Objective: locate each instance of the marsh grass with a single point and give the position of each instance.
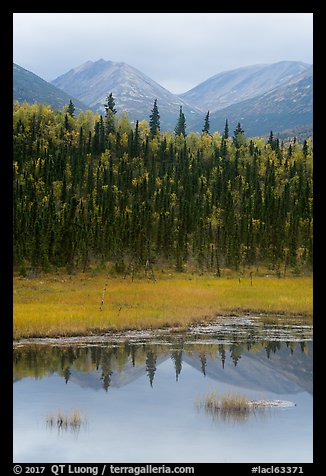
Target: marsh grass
(229, 407)
(64, 305)
(63, 421)
(234, 406)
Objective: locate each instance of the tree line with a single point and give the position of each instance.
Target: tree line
(95, 189)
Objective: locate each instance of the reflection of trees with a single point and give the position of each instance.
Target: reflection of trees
(203, 362)
(272, 347)
(236, 351)
(151, 366)
(133, 355)
(221, 351)
(96, 356)
(40, 360)
(67, 374)
(176, 356)
(105, 364)
(303, 346)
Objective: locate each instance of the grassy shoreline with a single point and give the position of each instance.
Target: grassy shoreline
(64, 305)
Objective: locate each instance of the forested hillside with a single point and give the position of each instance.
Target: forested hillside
(91, 189)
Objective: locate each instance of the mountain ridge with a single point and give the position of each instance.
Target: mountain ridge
(282, 108)
(264, 97)
(134, 92)
(29, 87)
(230, 87)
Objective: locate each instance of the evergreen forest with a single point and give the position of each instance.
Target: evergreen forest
(98, 189)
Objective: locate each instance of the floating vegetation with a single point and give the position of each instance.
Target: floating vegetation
(228, 407)
(63, 421)
(237, 407)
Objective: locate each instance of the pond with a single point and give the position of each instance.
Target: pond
(137, 395)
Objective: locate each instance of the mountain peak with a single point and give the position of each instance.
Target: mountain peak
(133, 91)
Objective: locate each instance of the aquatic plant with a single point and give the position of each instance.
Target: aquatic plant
(237, 407)
(64, 421)
(230, 406)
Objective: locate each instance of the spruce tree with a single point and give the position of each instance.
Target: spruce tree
(67, 126)
(180, 128)
(205, 129)
(226, 129)
(110, 104)
(154, 120)
(71, 109)
(239, 137)
(271, 140)
(110, 112)
(135, 150)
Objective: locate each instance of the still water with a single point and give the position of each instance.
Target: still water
(137, 395)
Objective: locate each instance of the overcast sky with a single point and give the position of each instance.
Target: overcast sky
(178, 50)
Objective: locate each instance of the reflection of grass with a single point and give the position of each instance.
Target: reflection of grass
(64, 422)
(70, 305)
(229, 407)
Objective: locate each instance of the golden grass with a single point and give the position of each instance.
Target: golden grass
(230, 406)
(70, 305)
(234, 403)
(63, 421)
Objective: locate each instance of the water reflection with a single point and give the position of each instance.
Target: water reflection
(272, 365)
(138, 392)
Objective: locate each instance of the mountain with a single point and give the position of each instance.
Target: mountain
(285, 107)
(262, 98)
(134, 92)
(29, 87)
(230, 87)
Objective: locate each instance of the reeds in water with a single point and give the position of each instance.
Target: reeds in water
(229, 406)
(64, 421)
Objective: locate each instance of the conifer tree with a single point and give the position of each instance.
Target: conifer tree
(180, 128)
(226, 129)
(67, 126)
(271, 140)
(239, 137)
(136, 141)
(71, 109)
(110, 113)
(205, 129)
(154, 120)
(110, 104)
